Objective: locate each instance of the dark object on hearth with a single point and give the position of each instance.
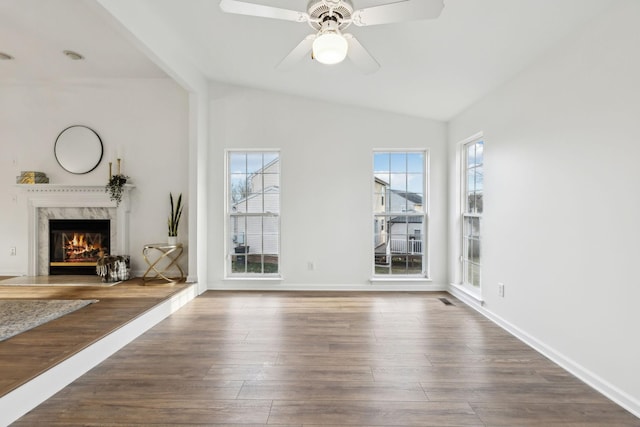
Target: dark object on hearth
(113, 268)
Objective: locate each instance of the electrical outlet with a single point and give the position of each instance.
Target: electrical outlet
(310, 266)
(501, 289)
(12, 251)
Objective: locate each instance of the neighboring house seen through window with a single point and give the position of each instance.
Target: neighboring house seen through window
(253, 213)
(472, 206)
(400, 213)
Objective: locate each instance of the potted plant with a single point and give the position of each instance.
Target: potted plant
(174, 219)
(114, 187)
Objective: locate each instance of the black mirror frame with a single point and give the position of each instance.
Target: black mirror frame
(55, 149)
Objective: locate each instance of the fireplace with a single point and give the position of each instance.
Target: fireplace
(75, 245)
(46, 202)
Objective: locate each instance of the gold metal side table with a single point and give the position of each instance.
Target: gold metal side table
(161, 257)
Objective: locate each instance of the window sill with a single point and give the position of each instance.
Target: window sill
(256, 278)
(400, 279)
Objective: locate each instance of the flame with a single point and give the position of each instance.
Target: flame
(79, 248)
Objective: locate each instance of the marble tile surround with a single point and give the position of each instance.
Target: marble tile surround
(47, 213)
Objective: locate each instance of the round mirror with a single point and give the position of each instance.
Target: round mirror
(78, 149)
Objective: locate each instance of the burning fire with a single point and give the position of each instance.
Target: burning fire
(79, 248)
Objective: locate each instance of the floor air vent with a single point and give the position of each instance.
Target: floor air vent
(445, 301)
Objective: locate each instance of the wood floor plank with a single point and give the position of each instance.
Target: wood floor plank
(554, 414)
(436, 375)
(536, 361)
(475, 392)
(374, 360)
(326, 358)
(290, 373)
(30, 353)
(154, 388)
(170, 411)
(374, 413)
(333, 390)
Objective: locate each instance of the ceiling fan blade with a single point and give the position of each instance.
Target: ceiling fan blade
(298, 52)
(360, 56)
(407, 10)
(252, 9)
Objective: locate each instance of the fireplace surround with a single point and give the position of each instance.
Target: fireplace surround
(58, 201)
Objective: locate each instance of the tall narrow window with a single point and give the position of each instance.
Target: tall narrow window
(253, 213)
(399, 213)
(473, 183)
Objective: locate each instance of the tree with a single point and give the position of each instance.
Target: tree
(240, 190)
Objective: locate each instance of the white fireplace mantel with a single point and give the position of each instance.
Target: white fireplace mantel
(45, 196)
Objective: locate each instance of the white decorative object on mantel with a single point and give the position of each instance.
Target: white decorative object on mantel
(62, 200)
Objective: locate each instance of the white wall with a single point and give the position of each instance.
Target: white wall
(135, 20)
(143, 121)
(561, 205)
(326, 182)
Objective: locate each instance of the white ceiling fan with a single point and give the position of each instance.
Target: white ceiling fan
(329, 18)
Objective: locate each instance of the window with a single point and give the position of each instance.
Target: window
(472, 206)
(253, 213)
(399, 213)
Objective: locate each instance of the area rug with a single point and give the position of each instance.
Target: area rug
(17, 316)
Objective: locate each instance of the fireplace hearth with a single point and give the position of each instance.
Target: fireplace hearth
(75, 245)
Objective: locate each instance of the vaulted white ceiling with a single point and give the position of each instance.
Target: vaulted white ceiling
(434, 68)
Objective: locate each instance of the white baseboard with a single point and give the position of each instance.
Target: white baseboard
(465, 295)
(18, 402)
(620, 397)
(256, 285)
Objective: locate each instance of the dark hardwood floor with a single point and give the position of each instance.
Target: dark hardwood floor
(294, 359)
(30, 353)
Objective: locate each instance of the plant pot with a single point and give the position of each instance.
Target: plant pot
(172, 240)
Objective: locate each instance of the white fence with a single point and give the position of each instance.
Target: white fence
(402, 246)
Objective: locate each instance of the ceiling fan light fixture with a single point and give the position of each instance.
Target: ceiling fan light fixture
(330, 48)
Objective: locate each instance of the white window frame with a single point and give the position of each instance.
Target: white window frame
(425, 273)
(466, 216)
(229, 244)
